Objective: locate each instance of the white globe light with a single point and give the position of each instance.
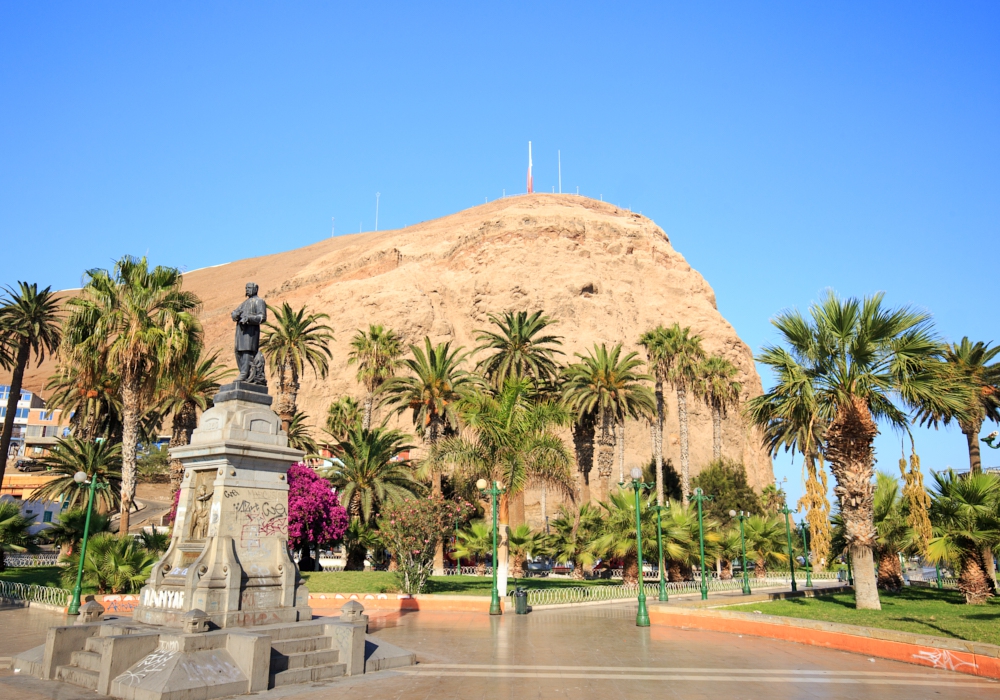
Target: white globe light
(482, 484)
(636, 473)
(732, 514)
(80, 477)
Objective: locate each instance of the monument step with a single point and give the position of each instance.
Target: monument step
(88, 660)
(85, 678)
(306, 659)
(297, 646)
(297, 631)
(307, 675)
(95, 645)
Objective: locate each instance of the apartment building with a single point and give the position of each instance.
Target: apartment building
(27, 401)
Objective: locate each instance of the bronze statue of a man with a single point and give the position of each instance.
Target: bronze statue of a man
(248, 316)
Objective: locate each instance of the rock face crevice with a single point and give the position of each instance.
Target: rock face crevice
(605, 273)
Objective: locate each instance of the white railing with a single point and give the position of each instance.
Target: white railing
(466, 571)
(21, 560)
(31, 592)
(331, 567)
(582, 594)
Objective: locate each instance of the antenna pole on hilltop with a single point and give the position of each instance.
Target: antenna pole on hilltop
(377, 194)
(559, 158)
(531, 187)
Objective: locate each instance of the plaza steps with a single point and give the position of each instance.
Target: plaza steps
(84, 668)
(300, 655)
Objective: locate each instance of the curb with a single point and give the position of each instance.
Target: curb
(973, 658)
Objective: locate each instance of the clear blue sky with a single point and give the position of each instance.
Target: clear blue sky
(785, 147)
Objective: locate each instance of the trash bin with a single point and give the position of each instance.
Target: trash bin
(520, 601)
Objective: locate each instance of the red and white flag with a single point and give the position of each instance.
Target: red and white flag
(531, 184)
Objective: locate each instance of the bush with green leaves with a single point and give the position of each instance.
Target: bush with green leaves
(114, 564)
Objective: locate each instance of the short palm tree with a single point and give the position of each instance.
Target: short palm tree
(293, 340)
(476, 543)
(187, 389)
(610, 386)
(370, 471)
(14, 535)
(341, 417)
(520, 348)
(67, 531)
(680, 539)
(766, 542)
(299, 434)
(895, 536)
(865, 363)
(730, 549)
(102, 459)
(521, 541)
(376, 352)
(114, 564)
(618, 534)
(573, 535)
(720, 391)
(29, 325)
(154, 542)
(964, 515)
(140, 324)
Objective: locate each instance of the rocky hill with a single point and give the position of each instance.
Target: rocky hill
(605, 273)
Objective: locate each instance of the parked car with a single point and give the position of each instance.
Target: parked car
(29, 465)
(539, 567)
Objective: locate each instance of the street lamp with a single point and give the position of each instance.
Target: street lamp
(805, 547)
(642, 617)
(81, 478)
(698, 496)
(743, 546)
(659, 545)
(788, 537)
(494, 491)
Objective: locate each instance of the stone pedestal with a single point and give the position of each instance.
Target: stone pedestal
(229, 552)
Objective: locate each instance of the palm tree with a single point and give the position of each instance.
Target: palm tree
(894, 534)
(67, 532)
(341, 417)
(583, 430)
(101, 459)
(721, 392)
(518, 349)
(654, 342)
(607, 385)
(186, 390)
(294, 340)
(966, 524)
(154, 542)
(573, 535)
(114, 564)
(522, 541)
(370, 471)
(865, 363)
(376, 352)
(431, 391)
(680, 539)
(730, 550)
(967, 365)
(618, 535)
(29, 324)
(684, 355)
(509, 438)
(14, 535)
(84, 390)
(475, 543)
(765, 541)
(298, 435)
(140, 323)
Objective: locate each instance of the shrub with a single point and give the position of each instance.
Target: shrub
(315, 516)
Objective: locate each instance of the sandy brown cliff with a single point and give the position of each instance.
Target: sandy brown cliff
(605, 273)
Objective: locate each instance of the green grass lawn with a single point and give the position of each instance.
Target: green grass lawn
(39, 575)
(385, 582)
(917, 610)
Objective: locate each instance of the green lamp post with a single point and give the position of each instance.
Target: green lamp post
(788, 537)
(850, 574)
(659, 546)
(494, 491)
(642, 617)
(81, 478)
(698, 496)
(805, 548)
(743, 546)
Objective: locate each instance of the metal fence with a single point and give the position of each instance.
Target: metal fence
(45, 559)
(37, 594)
(584, 594)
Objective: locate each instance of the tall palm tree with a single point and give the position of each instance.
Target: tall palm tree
(14, 535)
(967, 364)
(654, 342)
(341, 417)
(865, 363)
(518, 349)
(370, 471)
(509, 438)
(299, 437)
(186, 390)
(96, 458)
(894, 534)
(721, 392)
(376, 353)
(141, 323)
(84, 390)
(964, 511)
(431, 392)
(609, 386)
(295, 339)
(684, 355)
(29, 325)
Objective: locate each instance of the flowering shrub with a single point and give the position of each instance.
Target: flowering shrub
(411, 530)
(315, 516)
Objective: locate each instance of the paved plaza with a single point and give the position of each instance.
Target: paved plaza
(579, 653)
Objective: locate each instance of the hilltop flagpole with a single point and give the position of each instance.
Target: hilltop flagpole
(531, 187)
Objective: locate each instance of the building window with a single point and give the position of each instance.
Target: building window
(35, 431)
(47, 518)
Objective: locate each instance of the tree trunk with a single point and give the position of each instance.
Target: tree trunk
(975, 459)
(366, 419)
(727, 570)
(973, 581)
(674, 572)
(578, 573)
(481, 567)
(130, 438)
(583, 447)
(890, 574)
(605, 456)
(656, 432)
(517, 509)
(630, 570)
(355, 558)
(433, 432)
(517, 566)
(682, 417)
(20, 362)
(503, 550)
(184, 422)
(716, 434)
(620, 440)
(760, 569)
(849, 449)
